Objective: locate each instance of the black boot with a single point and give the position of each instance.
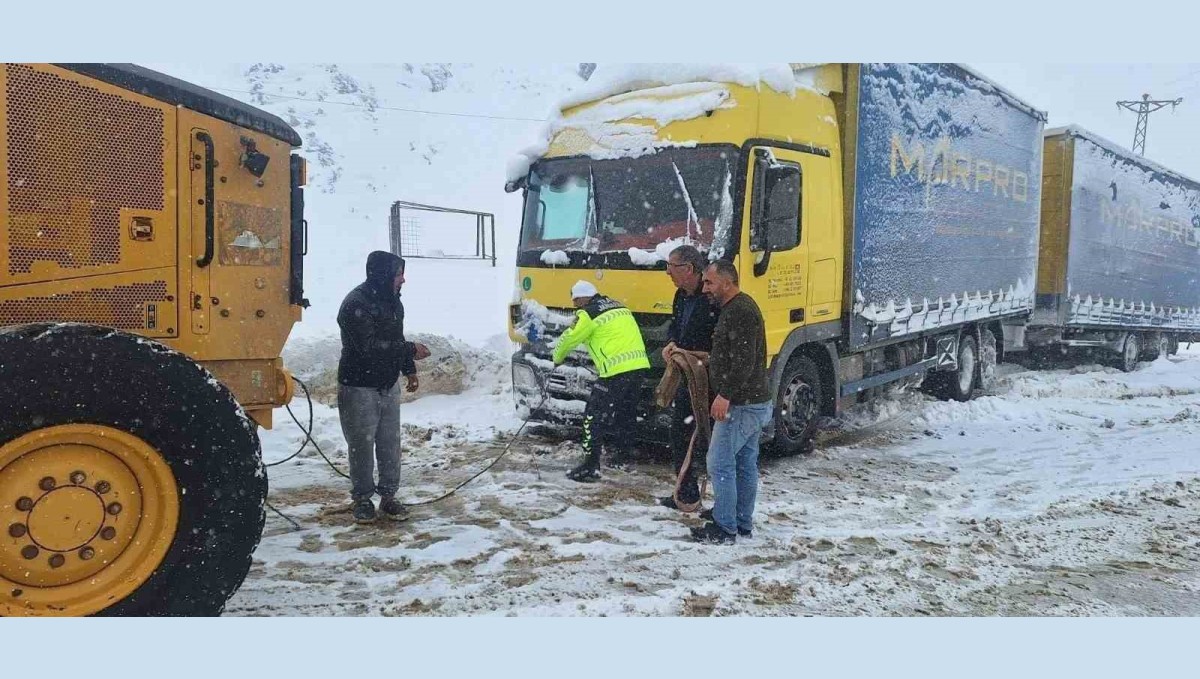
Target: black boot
(713, 534)
(621, 461)
(742, 532)
(587, 472)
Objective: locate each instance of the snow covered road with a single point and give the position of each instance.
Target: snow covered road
(1066, 492)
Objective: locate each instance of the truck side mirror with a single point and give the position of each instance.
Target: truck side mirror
(775, 214)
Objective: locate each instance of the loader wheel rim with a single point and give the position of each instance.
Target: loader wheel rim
(87, 513)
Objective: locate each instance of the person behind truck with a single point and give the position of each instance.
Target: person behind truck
(615, 344)
(693, 318)
(374, 354)
(741, 406)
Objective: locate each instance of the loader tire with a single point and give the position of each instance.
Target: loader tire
(131, 481)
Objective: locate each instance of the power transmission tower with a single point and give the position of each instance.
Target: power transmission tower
(1144, 108)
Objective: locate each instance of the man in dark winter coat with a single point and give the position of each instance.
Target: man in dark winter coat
(374, 355)
(693, 317)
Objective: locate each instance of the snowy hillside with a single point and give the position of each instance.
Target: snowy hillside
(364, 154)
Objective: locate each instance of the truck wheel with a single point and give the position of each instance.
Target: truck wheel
(958, 385)
(988, 355)
(797, 407)
(1130, 352)
(131, 481)
(1162, 347)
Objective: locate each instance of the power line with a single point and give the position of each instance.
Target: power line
(1183, 77)
(383, 108)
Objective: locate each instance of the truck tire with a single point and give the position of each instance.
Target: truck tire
(1131, 351)
(797, 407)
(988, 359)
(1162, 346)
(131, 481)
(957, 385)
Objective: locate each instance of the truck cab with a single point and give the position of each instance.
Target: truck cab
(739, 170)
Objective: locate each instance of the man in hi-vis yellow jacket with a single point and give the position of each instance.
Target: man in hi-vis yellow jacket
(615, 344)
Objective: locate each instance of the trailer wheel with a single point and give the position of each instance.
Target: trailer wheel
(988, 355)
(957, 385)
(131, 482)
(1130, 352)
(797, 407)
(1162, 347)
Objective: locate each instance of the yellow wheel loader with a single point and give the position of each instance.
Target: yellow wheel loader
(151, 267)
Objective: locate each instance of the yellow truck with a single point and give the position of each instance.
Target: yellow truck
(909, 256)
(151, 269)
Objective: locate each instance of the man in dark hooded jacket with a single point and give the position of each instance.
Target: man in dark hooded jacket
(374, 355)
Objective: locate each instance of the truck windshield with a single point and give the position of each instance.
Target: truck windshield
(614, 206)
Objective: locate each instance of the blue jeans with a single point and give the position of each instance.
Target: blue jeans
(733, 465)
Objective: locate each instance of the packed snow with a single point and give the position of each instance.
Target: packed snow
(1065, 491)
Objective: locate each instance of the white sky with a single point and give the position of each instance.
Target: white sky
(1086, 95)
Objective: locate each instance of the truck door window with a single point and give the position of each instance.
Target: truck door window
(776, 224)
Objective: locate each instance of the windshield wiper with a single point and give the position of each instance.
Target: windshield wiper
(691, 216)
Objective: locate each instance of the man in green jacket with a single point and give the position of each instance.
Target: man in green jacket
(615, 344)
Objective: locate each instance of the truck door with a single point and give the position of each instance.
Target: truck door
(788, 194)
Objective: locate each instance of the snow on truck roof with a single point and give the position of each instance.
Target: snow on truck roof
(608, 81)
(1121, 151)
(680, 91)
(1005, 93)
(676, 80)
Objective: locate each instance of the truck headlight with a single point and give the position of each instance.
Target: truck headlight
(524, 379)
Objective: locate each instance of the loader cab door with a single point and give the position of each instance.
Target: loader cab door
(784, 241)
(236, 239)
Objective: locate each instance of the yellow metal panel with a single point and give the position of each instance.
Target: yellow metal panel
(785, 287)
(4, 175)
(139, 301)
(641, 291)
(88, 172)
(1056, 214)
(238, 305)
(257, 382)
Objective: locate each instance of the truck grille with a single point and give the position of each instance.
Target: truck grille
(557, 382)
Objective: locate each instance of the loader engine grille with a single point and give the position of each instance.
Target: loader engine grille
(124, 307)
(76, 157)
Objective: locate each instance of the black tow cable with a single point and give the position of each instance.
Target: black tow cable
(308, 438)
